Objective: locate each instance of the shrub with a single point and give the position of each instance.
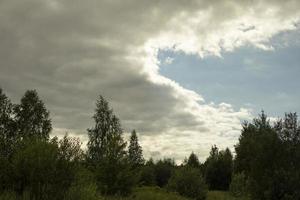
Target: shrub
(218, 169)
(163, 171)
(84, 186)
(239, 185)
(45, 170)
(115, 178)
(147, 176)
(6, 195)
(188, 182)
(10, 195)
(34, 167)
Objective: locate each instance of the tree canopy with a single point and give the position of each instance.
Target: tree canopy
(135, 152)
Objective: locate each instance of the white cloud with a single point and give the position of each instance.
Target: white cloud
(71, 51)
(169, 60)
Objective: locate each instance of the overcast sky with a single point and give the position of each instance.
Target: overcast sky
(184, 74)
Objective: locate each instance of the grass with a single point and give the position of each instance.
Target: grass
(156, 193)
(221, 195)
(149, 193)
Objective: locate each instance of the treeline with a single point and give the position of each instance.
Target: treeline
(267, 162)
(36, 167)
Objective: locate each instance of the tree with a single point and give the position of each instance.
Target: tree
(188, 182)
(239, 185)
(269, 156)
(218, 169)
(287, 129)
(106, 152)
(135, 152)
(7, 127)
(83, 187)
(46, 169)
(226, 168)
(163, 171)
(32, 117)
(8, 141)
(105, 138)
(193, 161)
(147, 174)
(287, 174)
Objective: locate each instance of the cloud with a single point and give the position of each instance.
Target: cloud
(71, 51)
(169, 60)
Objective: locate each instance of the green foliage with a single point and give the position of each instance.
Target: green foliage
(7, 127)
(10, 195)
(221, 195)
(106, 152)
(147, 175)
(163, 171)
(115, 178)
(6, 172)
(148, 193)
(155, 193)
(192, 161)
(239, 185)
(32, 117)
(269, 156)
(135, 153)
(33, 167)
(188, 182)
(83, 187)
(218, 169)
(45, 169)
(105, 138)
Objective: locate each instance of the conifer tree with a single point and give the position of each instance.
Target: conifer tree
(135, 151)
(193, 161)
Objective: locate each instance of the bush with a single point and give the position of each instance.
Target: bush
(45, 170)
(6, 195)
(239, 185)
(34, 167)
(155, 193)
(163, 171)
(115, 178)
(218, 169)
(84, 186)
(188, 182)
(10, 195)
(5, 174)
(147, 176)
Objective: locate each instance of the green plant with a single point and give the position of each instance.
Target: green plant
(239, 185)
(188, 182)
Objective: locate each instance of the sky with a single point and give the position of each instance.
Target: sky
(184, 74)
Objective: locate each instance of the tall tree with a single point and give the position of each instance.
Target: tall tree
(269, 156)
(135, 152)
(7, 126)
(7, 141)
(105, 138)
(218, 169)
(288, 129)
(106, 152)
(32, 117)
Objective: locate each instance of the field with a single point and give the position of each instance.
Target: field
(155, 193)
(219, 195)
